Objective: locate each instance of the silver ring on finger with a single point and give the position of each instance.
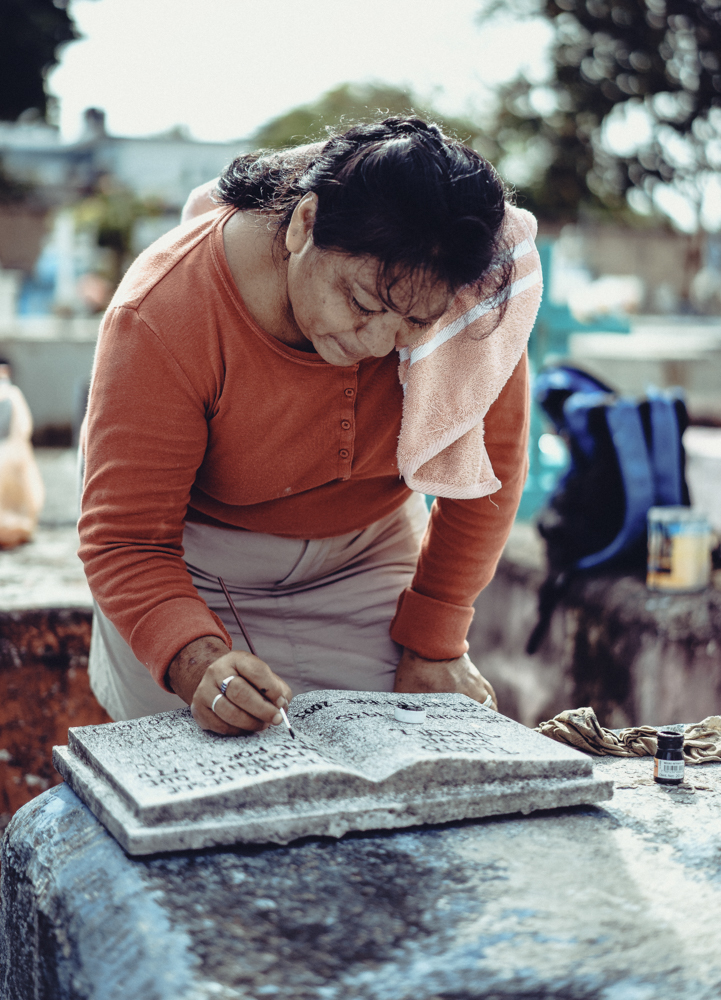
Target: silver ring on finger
(488, 702)
(215, 702)
(226, 682)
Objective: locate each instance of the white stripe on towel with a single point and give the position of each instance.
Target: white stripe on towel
(520, 250)
(481, 309)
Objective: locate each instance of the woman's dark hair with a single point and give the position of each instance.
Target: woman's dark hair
(399, 190)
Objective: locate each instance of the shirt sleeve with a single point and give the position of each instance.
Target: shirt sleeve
(146, 437)
(465, 538)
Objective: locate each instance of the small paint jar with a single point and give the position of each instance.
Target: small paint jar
(668, 765)
(679, 550)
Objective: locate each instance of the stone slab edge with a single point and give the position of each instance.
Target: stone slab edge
(330, 820)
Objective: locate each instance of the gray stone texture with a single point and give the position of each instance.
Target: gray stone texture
(620, 902)
(160, 783)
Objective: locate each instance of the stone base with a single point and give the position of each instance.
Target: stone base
(585, 903)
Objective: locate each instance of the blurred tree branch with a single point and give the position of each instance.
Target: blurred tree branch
(653, 66)
(110, 213)
(31, 32)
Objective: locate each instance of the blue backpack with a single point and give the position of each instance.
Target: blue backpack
(626, 456)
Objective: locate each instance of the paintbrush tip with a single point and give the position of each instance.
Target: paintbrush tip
(287, 723)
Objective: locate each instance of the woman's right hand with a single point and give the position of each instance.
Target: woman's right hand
(252, 698)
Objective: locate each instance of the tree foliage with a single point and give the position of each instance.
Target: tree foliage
(110, 214)
(350, 103)
(654, 63)
(31, 31)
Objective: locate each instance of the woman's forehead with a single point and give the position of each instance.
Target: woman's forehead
(420, 294)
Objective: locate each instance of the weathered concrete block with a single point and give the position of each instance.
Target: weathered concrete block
(635, 656)
(53, 636)
(44, 689)
(615, 903)
(161, 784)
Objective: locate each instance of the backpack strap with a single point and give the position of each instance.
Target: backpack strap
(665, 449)
(552, 590)
(553, 386)
(576, 413)
(626, 429)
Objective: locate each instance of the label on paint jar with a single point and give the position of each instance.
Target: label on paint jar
(672, 769)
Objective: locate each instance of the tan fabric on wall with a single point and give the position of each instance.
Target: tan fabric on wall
(318, 611)
(579, 728)
(22, 492)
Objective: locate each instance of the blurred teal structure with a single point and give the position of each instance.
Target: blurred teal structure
(548, 344)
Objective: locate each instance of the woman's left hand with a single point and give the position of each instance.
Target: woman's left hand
(414, 675)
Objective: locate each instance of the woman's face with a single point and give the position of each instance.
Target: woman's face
(335, 304)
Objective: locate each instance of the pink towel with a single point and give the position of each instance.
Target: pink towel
(458, 370)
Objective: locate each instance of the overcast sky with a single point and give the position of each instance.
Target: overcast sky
(224, 67)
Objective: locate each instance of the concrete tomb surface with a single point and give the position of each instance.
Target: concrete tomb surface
(619, 902)
(161, 784)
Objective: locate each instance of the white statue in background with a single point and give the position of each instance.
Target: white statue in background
(22, 492)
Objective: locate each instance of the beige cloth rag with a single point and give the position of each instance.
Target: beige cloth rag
(451, 378)
(579, 728)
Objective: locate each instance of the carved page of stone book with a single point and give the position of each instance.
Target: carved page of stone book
(162, 784)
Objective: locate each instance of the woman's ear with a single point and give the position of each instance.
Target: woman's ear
(300, 227)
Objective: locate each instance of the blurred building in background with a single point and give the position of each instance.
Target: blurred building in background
(73, 217)
(627, 297)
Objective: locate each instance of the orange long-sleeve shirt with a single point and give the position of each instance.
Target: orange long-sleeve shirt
(197, 414)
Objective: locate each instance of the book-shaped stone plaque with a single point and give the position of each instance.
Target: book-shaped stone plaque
(162, 784)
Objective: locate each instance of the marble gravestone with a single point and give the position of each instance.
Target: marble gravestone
(161, 784)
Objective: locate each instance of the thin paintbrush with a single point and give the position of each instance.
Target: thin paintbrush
(250, 645)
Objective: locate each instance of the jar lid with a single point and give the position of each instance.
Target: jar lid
(404, 712)
(678, 515)
(667, 739)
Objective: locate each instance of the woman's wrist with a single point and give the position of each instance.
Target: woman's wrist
(188, 666)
